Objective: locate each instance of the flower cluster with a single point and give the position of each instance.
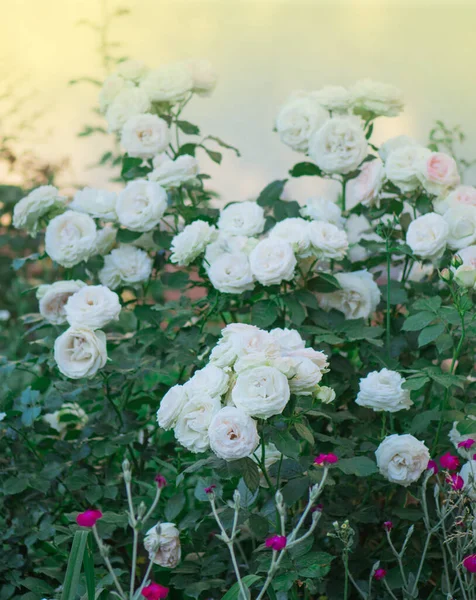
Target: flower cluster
(251, 375)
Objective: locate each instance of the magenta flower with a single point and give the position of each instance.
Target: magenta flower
(379, 574)
(318, 508)
(276, 542)
(432, 466)
(326, 459)
(469, 563)
(155, 591)
(160, 481)
(449, 461)
(388, 525)
(88, 518)
(456, 482)
(466, 444)
(209, 490)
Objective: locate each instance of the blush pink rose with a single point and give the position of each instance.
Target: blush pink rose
(438, 172)
(365, 188)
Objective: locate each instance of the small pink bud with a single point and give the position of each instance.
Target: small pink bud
(388, 525)
(318, 508)
(160, 481)
(209, 490)
(469, 563)
(466, 444)
(326, 459)
(449, 461)
(379, 574)
(456, 482)
(432, 466)
(276, 542)
(155, 591)
(88, 518)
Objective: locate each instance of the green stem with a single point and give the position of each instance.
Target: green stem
(344, 185)
(388, 333)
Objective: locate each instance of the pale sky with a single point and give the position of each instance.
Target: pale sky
(263, 50)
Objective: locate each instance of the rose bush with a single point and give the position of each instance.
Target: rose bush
(280, 387)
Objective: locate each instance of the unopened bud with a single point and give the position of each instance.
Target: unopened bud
(456, 261)
(446, 275)
(141, 510)
(237, 499)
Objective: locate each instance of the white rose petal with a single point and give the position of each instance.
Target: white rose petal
(99, 204)
(173, 173)
(323, 209)
(228, 244)
(113, 85)
(305, 376)
(463, 195)
(427, 236)
(141, 205)
(233, 434)
(399, 141)
(334, 98)
(191, 242)
(53, 298)
(231, 273)
(144, 136)
(42, 203)
(70, 238)
(203, 76)
(191, 428)
(105, 240)
(461, 222)
(80, 352)
(162, 542)
(170, 83)
(382, 391)
(380, 99)
(402, 166)
(468, 474)
(327, 240)
(402, 459)
(132, 69)
(365, 188)
(125, 265)
(209, 381)
(437, 172)
(295, 231)
(357, 299)
(288, 339)
(261, 392)
(171, 406)
(298, 119)
(92, 306)
(242, 218)
(61, 419)
(128, 103)
(273, 261)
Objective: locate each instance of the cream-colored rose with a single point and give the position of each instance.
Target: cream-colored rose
(162, 542)
(128, 103)
(427, 236)
(463, 195)
(233, 434)
(93, 306)
(70, 414)
(191, 428)
(261, 392)
(325, 394)
(376, 98)
(132, 69)
(437, 172)
(228, 244)
(334, 98)
(383, 391)
(358, 297)
(465, 275)
(141, 205)
(203, 76)
(242, 218)
(191, 242)
(298, 119)
(40, 204)
(253, 347)
(99, 204)
(327, 240)
(399, 141)
(365, 188)
(70, 238)
(305, 375)
(320, 208)
(461, 222)
(113, 85)
(173, 173)
(242, 339)
(288, 339)
(105, 240)
(53, 298)
(273, 261)
(209, 381)
(171, 406)
(295, 231)
(402, 459)
(231, 273)
(170, 83)
(126, 265)
(145, 136)
(80, 352)
(402, 166)
(339, 146)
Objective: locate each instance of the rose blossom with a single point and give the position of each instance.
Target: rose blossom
(145, 136)
(126, 265)
(111, 88)
(399, 141)
(437, 172)
(461, 222)
(170, 406)
(357, 299)
(105, 240)
(231, 273)
(99, 204)
(169, 83)
(463, 195)
(173, 173)
(132, 69)
(128, 103)
(334, 98)
(402, 458)
(298, 119)
(383, 391)
(233, 434)
(141, 205)
(210, 381)
(468, 475)
(261, 392)
(203, 76)
(273, 261)
(295, 231)
(365, 188)
(92, 306)
(380, 99)
(402, 164)
(80, 352)
(53, 298)
(327, 240)
(427, 236)
(162, 542)
(228, 244)
(70, 238)
(242, 218)
(43, 202)
(191, 242)
(191, 428)
(320, 208)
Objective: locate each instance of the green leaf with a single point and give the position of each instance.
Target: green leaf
(174, 506)
(415, 383)
(126, 236)
(215, 156)
(303, 431)
(73, 571)
(88, 562)
(264, 313)
(362, 466)
(296, 310)
(18, 263)
(295, 489)
(234, 592)
(271, 192)
(249, 471)
(418, 321)
(132, 168)
(305, 169)
(15, 485)
(422, 420)
(188, 128)
(223, 144)
(285, 443)
(189, 149)
(430, 333)
(314, 564)
(431, 304)
(324, 283)
(37, 585)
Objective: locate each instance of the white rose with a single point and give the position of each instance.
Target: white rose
(381, 99)
(427, 236)
(325, 394)
(402, 166)
(223, 354)
(402, 458)
(420, 272)
(437, 172)
(323, 209)
(365, 188)
(382, 390)
(233, 434)
(203, 76)
(70, 238)
(298, 119)
(465, 275)
(288, 339)
(242, 218)
(113, 85)
(305, 375)
(141, 205)
(228, 244)
(42, 203)
(105, 240)
(295, 231)
(191, 428)
(191, 242)
(463, 195)
(173, 173)
(209, 381)
(171, 406)
(339, 146)
(358, 228)
(52, 299)
(357, 299)
(317, 357)
(456, 438)
(80, 352)
(334, 98)
(399, 141)
(273, 261)
(468, 474)
(100, 204)
(93, 306)
(327, 240)
(261, 392)
(170, 83)
(132, 69)
(144, 136)
(128, 103)
(231, 273)
(253, 347)
(461, 222)
(62, 418)
(125, 265)
(162, 542)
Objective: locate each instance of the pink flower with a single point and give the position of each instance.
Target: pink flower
(449, 461)
(469, 563)
(466, 444)
(319, 507)
(276, 542)
(155, 591)
(456, 482)
(366, 187)
(432, 466)
(388, 525)
(441, 169)
(209, 490)
(88, 518)
(160, 481)
(326, 459)
(379, 574)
